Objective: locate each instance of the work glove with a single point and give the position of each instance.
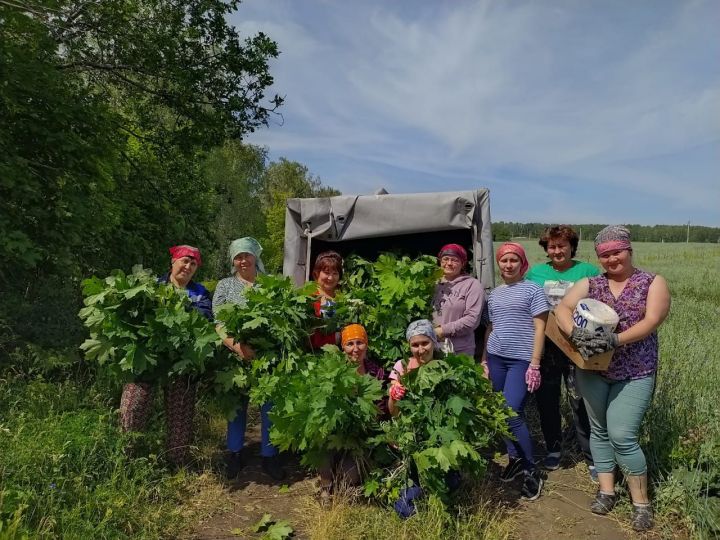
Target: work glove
(533, 378)
(589, 343)
(397, 392)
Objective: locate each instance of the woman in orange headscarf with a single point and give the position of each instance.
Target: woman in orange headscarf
(341, 467)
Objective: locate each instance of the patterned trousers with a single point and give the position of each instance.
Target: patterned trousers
(180, 394)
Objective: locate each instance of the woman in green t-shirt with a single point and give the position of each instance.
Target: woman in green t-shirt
(556, 276)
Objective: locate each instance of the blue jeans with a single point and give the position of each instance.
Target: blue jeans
(616, 410)
(236, 430)
(507, 375)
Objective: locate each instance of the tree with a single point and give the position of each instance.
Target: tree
(284, 180)
(106, 112)
(237, 173)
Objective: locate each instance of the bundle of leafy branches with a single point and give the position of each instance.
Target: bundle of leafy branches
(276, 322)
(142, 330)
(448, 415)
(385, 296)
(324, 406)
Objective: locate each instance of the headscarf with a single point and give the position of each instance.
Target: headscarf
(177, 252)
(247, 244)
(456, 250)
(517, 249)
(353, 331)
(422, 327)
(612, 238)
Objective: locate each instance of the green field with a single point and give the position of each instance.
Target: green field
(64, 471)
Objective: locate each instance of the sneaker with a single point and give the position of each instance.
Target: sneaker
(233, 465)
(603, 503)
(273, 468)
(532, 485)
(642, 518)
(593, 474)
(513, 470)
(552, 461)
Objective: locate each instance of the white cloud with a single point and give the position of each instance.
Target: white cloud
(600, 93)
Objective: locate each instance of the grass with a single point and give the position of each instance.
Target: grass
(64, 471)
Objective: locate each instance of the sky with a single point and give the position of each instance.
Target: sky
(599, 111)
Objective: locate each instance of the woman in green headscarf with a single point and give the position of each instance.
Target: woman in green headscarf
(246, 264)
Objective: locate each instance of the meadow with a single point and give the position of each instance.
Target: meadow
(65, 471)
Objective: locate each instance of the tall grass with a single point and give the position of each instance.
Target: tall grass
(64, 471)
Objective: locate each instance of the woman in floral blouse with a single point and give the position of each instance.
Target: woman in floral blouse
(616, 399)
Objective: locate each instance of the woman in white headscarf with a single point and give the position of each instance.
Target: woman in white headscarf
(246, 264)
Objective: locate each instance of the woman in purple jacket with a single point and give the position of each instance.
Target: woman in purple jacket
(458, 301)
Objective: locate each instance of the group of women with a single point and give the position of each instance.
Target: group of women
(607, 406)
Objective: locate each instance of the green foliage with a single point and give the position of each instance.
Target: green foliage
(272, 529)
(275, 322)
(144, 330)
(385, 296)
(106, 112)
(65, 472)
(448, 415)
(324, 405)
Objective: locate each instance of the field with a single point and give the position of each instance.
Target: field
(64, 471)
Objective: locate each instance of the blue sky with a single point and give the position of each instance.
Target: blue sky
(597, 111)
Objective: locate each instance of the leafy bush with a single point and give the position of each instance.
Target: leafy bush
(448, 416)
(276, 322)
(385, 296)
(144, 330)
(324, 405)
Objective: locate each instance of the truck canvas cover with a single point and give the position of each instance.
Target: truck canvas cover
(412, 223)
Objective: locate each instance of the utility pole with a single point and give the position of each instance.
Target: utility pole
(687, 241)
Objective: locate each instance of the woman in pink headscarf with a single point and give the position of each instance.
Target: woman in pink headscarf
(457, 302)
(515, 316)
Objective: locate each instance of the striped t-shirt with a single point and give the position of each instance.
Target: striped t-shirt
(510, 309)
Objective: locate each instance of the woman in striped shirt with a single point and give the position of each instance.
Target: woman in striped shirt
(515, 316)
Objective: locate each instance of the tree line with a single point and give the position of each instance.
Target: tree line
(120, 135)
(505, 230)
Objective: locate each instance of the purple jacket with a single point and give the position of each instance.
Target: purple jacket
(457, 306)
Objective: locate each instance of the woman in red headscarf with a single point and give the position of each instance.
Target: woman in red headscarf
(516, 314)
(136, 401)
(457, 302)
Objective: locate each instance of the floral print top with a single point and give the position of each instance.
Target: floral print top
(634, 360)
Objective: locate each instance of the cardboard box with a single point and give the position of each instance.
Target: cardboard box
(599, 362)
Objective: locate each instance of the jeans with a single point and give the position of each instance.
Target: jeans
(507, 375)
(616, 410)
(554, 368)
(236, 430)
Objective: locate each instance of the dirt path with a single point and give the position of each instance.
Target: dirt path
(254, 494)
(561, 512)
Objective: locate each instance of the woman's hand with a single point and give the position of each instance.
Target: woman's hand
(439, 333)
(397, 392)
(589, 343)
(533, 379)
(486, 370)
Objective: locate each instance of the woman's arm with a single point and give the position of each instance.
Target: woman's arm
(483, 358)
(564, 310)
(657, 308)
(539, 322)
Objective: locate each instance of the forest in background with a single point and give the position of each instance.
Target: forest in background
(505, 230)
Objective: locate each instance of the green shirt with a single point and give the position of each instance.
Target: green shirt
(556, 283)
